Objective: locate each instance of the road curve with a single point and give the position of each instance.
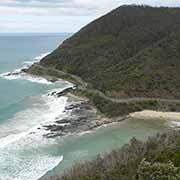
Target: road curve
(84, 86)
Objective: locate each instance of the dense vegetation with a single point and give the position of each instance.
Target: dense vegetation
(133, 51)
(113, 109)
(156, 159)
(106, 107)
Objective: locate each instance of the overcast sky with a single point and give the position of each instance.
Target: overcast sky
(60, 15)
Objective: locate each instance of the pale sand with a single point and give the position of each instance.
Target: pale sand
(147, 114)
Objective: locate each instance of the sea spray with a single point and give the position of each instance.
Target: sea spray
(25, 153)
(18, 74)
(30, 140)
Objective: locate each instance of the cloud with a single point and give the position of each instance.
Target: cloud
(56, 7)
(72, 7)
(61, 15)
(169, 3)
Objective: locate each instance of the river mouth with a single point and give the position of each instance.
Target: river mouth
(76, 149)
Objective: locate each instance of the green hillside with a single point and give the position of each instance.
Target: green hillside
(125, 61)
(133, 51)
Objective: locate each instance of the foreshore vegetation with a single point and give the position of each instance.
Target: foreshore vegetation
(158, 158)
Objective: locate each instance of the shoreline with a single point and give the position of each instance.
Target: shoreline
(108, 106)
(82, 117)
(148, 114)
(76, 93)
(89, 119)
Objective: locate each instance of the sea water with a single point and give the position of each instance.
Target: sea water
(25, 107)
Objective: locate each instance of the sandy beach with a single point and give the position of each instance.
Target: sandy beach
(148, 114)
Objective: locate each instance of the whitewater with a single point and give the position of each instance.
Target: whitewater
(26, 106)
(18, 132)
(18, 74)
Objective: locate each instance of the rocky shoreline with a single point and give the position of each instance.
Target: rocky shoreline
(81, 116)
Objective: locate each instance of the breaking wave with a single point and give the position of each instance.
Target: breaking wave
(25, 134)
(18, 74)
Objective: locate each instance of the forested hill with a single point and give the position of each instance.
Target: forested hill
(133, 51)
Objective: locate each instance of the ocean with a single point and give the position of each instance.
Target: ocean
(26, 107)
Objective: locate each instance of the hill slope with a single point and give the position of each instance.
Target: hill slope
(134, 51)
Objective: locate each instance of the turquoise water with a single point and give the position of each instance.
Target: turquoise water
(15, 50)
(103, 140)
(25, 154)
(25, 106)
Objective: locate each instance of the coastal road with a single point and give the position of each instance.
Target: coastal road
(85, 86)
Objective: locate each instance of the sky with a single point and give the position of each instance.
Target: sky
(60, 15)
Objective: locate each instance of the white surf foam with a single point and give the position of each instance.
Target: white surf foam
(28, 159)
(175, 124)
(36, 59)
(18, 74)
(35, 172)
(24, 76)
(28, 121)
(23, 150)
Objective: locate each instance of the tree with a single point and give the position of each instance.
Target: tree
(157, 171)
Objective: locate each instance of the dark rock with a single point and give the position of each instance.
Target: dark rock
(53, 93)
(63, 121)
(54, 127)
(63, 93)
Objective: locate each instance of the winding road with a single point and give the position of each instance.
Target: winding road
(84, 86)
